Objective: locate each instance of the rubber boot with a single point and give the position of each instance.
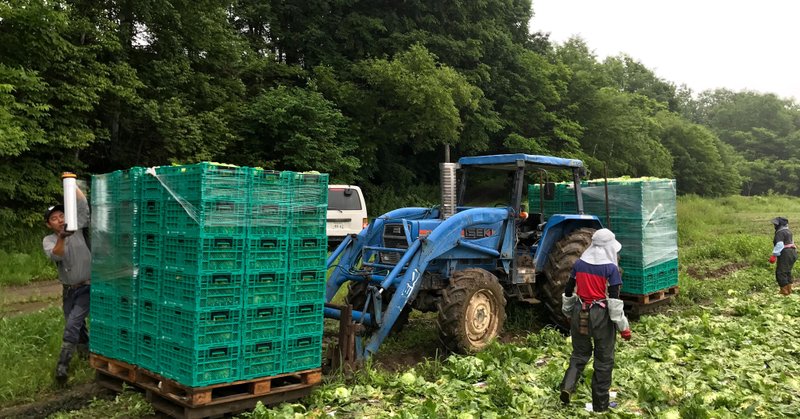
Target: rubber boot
(789, 289)
(62, 368)
(783, 290)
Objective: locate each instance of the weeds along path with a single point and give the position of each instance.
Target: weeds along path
(16, 300)
(74, 398)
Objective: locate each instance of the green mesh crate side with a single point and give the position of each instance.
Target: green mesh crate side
(125, 344)
(306, 286)
(262, 358)
(303, 353)
(303, 319)
(103, 338)
(147, 351)
(203, 181)
(264, 322)
(267, 253)
(308, 252)
(218, 217)
(201, 328)
(309, 189)
(147, 317)
(310, 220)
(648, 280)
(200, 291)
(197, 367)
(270, 187)
(265, 287)
(151, 249)
(151, 216)
(265, 219)
(204, 253)
(149, 283)
(101, 305)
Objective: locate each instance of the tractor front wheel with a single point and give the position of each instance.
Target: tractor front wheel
(472, 311)
(558, 268)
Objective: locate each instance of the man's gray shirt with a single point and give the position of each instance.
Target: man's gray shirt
(75, 266)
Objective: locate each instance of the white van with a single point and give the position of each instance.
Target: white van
(347, 213)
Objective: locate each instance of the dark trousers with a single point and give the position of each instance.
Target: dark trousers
(76, 308)
(783, 270)
(603, 334)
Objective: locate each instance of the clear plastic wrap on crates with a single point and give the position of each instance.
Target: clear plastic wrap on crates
(643, 216)
(115, 218)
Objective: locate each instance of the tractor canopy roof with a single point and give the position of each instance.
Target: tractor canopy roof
(509, 161)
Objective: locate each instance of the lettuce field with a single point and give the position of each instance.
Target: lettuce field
(728, 346)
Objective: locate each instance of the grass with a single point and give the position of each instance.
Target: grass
(29, 348)
(724, 278)
(22, 259)
(125, 405)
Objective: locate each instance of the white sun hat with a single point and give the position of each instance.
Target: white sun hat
(604, 248)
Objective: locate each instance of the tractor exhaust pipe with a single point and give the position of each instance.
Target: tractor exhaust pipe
(448, 182)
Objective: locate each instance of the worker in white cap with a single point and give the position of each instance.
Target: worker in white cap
(591, 302)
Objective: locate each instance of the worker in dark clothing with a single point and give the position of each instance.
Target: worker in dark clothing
(785, 253)
(595, 313)
(73, 258)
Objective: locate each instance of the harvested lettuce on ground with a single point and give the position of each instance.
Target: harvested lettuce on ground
(738, 357)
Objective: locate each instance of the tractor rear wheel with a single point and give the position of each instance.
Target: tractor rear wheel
(357, 297)
(472, 311)
(558, 268)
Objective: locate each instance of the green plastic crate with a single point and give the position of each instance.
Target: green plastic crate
(201, 328)
(309, 221)
(150, 220)
(151, 247)
(268, 219)
(271, 187)
(147, 317)
(267, 253)
(263, 322)
(202, 181)
(149, 283)
(262, 358)
(101, 305)
(147, 352)
(265, 287)
(306, 286)
(103, 337)
(198, 367)
(649, 280)
(303, 353)
(309, 189)
(204, 254)
(303, 319)
(210, 217)
(202, 291)
(308, 253)
(125, 344)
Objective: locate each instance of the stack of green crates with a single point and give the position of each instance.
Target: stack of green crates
(643, 216)
(227, 272)
(115, 203)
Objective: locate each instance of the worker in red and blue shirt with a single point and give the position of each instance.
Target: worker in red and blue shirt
(591, 302)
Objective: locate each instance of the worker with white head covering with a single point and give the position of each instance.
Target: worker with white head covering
(784, 252)
(595, 313)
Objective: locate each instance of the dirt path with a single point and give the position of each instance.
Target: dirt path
(69, 399)
(18, 300)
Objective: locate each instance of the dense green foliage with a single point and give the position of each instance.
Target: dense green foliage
(369, 92)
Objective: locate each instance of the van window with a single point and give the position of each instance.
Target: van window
(338, 200)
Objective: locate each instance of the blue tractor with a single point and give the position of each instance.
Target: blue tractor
(464, 262)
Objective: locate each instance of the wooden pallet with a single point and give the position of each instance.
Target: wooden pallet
(180, 401)
(651, 298)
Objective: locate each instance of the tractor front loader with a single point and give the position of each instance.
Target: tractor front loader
(464, 262)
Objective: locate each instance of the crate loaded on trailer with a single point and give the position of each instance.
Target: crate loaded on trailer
(642, 213)
(208, 284)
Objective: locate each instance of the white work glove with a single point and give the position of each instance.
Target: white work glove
(615, 311)
(568, 304)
